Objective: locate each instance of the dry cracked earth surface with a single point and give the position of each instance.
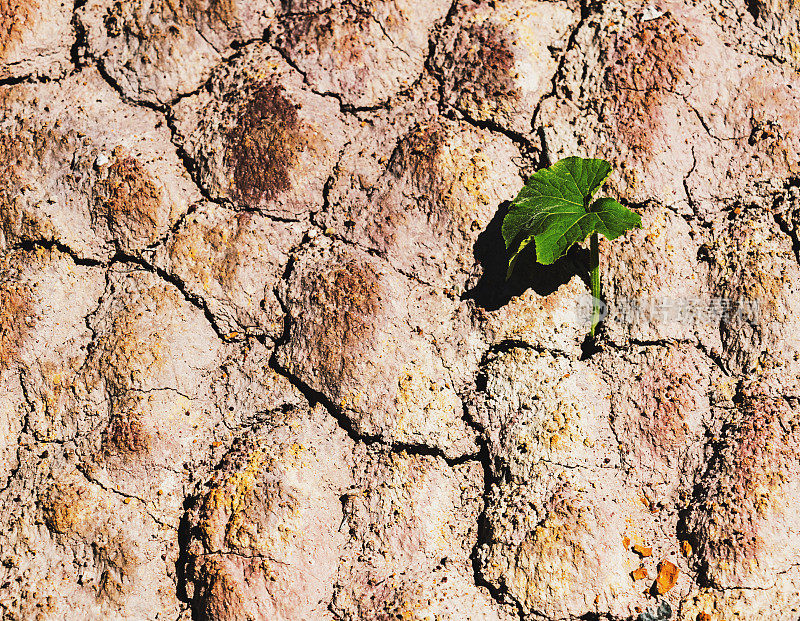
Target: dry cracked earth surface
(258, 357)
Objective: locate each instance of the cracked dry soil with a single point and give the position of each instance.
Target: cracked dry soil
(258, 359)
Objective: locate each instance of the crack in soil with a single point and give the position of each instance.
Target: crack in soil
(82, 469)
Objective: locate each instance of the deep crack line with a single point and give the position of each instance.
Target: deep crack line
(165, 110)
(80, 46)
(314, 397)
(195, 300)
(791, 233)
(121, 258)
(494, 127)
(29, 245)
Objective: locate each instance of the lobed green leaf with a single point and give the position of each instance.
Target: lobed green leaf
(554, 210)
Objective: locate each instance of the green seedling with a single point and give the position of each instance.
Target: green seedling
(555, 210)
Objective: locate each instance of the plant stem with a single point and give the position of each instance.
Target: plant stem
(594, 269)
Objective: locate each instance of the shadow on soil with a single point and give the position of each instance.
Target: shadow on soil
(493, 291)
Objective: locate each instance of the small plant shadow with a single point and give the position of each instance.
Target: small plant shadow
(493, 291)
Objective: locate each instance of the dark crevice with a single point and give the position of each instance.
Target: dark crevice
(28, 79)
(161, 108)
(711, 354)
(792, 233)
(591, 345)
(370, 15)
(528, 150)
(52, 244)
(545, 159)
(24, 430)
(433, 46)
(78, 50)
(260, 211)
(587, 9)
(80, 54)
(689, 197)
(716, 358)
(172, 230)
(191, 166)
(508, 345)
(754, 8)
(315, 397)
(484, 538)
(344, 107)
(271, 41)
(484, 530)
(647, 343)
(145, 505)
(239, 48)
(124, 258)
(526, 147)
(184, 558)
(271, 38)
(195, 300)
(659, 342)
(332, 178)
(705, 124)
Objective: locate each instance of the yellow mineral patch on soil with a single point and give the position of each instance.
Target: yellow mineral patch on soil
(225, 502)
(423, 401)
(70, 506)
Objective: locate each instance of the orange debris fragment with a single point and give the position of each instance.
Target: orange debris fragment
(667, 576)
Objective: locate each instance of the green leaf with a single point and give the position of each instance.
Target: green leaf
(553, 209)
(615, 219)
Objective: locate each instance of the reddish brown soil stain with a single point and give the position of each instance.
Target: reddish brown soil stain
(743, 269)
(667, 395)
(349, 294)
(485, 59)
(645, 63)
(16, 320)
(264, 146)
(753, 458)
(338, 32)
(10, 211)
(128, 199)
(211, 11)
(416, 155)
(228, 258)
(24, 153)
(61, 506)
(125, 435)
(217, 589)
(127, 18)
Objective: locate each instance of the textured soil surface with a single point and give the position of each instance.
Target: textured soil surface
(258, 357)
